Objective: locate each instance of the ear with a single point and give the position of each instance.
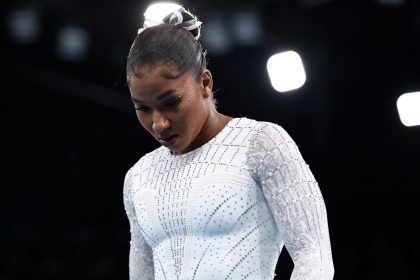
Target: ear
(207, 83)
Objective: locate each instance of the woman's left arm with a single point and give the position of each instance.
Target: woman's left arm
(295, 201)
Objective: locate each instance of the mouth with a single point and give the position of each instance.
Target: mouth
(168, 141)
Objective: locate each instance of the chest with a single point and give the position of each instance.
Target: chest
(206, 206)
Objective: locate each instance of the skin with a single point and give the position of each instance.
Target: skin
(178, 106)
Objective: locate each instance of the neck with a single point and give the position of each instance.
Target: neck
(214, 123)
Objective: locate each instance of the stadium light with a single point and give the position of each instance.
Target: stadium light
(72, 43)
(24, 25)
(247, 28)
(286, 71)
(408, 106)
(217, 38)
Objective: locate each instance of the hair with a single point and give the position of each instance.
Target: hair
(169, 44)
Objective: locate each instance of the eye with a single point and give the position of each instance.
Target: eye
(142, 108)
(172, 103)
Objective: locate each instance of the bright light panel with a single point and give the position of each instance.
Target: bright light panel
(24, 25)
(408, 106)
(156, 12)
(286, 71)
(218, 39)
(247, 28)
(72, 43)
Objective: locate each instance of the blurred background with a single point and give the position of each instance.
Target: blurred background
(70, 132)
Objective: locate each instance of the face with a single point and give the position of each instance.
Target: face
(174, 110)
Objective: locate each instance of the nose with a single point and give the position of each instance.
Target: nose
(160, 122)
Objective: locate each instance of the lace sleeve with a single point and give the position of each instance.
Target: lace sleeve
(295, 201)
(141, 257)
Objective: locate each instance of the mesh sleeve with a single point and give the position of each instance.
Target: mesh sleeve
(295, 200)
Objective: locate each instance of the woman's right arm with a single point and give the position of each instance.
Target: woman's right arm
(141, 256)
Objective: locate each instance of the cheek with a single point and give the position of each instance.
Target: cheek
(194, 115)
(187, 114)
(144, 121)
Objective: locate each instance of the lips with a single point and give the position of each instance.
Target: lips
(169, 140)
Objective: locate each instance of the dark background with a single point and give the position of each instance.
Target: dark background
(69, 133)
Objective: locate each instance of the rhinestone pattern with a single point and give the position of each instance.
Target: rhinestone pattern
(226, 209)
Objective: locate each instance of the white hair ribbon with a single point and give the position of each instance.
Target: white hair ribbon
(176, 18)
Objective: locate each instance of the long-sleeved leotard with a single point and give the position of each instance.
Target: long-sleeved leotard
(226, 209)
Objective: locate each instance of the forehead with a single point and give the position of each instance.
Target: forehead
(150, 81)
(163, 70)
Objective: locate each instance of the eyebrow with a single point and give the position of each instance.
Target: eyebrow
(160, 97)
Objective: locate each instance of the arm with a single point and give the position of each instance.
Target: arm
(295, 201)
(141, 257)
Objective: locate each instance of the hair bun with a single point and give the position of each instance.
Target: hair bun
(181, 17)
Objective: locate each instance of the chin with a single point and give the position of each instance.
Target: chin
(177, 150)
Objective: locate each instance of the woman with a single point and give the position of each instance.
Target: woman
(222, 196)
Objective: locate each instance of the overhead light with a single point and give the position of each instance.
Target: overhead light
(217, 37)
(72, 43)
(408, 106)
(247, 28)
(24, 26)
(286, 71)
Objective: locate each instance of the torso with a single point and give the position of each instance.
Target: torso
(203, 213)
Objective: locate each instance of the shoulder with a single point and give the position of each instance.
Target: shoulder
(127, 189)
(264, 131)
(243, 122)
(271, 147)
(147, 160)
(142, 164)
(255, 127)
(271, 140)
